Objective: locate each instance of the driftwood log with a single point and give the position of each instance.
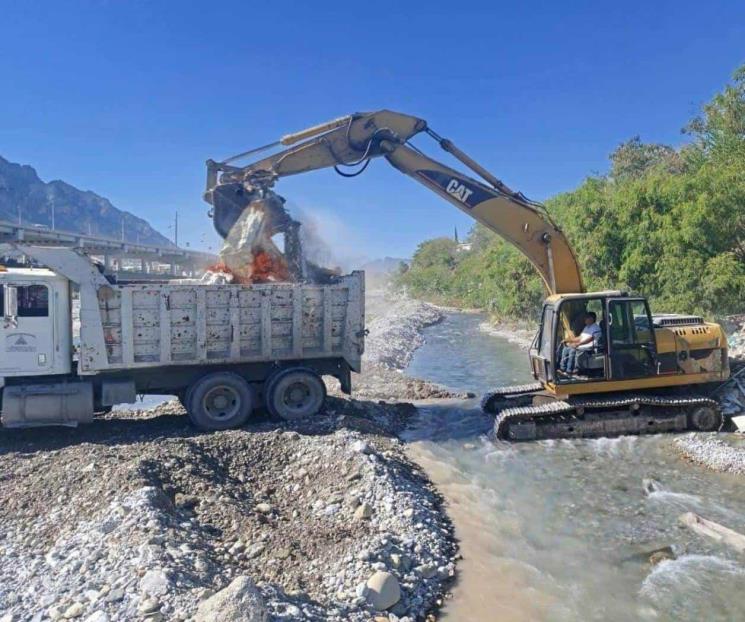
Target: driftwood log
(713, 530)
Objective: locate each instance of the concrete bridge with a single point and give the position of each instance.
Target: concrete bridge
(131, 261)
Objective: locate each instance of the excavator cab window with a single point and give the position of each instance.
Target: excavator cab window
(633, 351)
(593, 362)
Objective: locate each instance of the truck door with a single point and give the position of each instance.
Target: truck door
(631, 340)
(26, 329)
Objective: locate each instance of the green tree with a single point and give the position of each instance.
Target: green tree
(667, 223)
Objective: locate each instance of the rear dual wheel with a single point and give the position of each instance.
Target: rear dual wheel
(219, 401)
(295, 393)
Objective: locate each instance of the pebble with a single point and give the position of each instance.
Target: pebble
(149, 605)
(426, 571)
(363, 512)
(383, 590)
(361, 447)
(74, 611)
(264, 508)
(155, 583)
(254, 550)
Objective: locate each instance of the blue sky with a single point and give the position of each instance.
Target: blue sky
(130, 98)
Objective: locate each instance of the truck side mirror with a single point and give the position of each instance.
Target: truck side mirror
(11, 302)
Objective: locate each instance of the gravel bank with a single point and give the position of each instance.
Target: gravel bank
(735, 325)
(724, 453)
(140, 517)
(395, 332)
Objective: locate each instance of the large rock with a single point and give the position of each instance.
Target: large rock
(383, 590)
(241, 601)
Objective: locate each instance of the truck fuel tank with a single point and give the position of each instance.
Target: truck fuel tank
(58, 403)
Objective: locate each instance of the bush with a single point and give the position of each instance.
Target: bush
(667, 223)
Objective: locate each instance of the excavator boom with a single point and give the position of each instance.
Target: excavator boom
(354, 140)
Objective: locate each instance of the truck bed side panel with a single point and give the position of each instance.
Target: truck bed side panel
(152, 325)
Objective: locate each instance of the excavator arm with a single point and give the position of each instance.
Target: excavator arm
(354, 140)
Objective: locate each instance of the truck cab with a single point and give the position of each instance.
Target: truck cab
(35, 334)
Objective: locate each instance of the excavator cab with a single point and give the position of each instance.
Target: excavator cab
(625, 348)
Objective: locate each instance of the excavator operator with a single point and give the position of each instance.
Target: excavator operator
(574, 348)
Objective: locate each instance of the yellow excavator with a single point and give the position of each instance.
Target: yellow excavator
(642, 373)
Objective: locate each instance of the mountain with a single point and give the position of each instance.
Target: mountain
(79, 211)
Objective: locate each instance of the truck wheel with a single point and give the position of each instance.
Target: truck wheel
(295, 393)
(219, 401)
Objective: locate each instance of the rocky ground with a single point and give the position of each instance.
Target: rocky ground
(735, 325)
(139, 517)
(726, 455)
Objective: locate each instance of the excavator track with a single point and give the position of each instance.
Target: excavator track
(509, 397)
(611, 416)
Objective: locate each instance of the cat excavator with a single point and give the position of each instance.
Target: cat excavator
(644, 373)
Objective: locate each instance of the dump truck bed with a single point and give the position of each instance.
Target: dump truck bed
(155, 325)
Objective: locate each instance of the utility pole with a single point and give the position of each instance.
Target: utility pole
(19, 215)
(175, 230)
(52, 215)
(122, 228)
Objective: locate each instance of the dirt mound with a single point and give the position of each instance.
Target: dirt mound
(138, 513)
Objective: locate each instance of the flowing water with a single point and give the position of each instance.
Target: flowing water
(562, 530)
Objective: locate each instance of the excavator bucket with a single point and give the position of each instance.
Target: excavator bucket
(228, 202)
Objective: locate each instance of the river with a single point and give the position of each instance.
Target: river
(562, 530)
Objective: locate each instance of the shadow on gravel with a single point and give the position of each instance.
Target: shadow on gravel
(169, 421)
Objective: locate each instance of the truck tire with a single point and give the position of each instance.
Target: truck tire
(219, 401)
(295, 393)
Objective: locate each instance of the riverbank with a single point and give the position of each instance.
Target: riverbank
(725, 454)
(138, 516)
(521, 334)
(395, 333)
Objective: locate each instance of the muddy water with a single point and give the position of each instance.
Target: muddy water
(562, 530)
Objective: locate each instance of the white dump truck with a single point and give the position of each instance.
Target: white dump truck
(225, 350)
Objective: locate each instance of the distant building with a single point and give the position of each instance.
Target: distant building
(460, 247)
